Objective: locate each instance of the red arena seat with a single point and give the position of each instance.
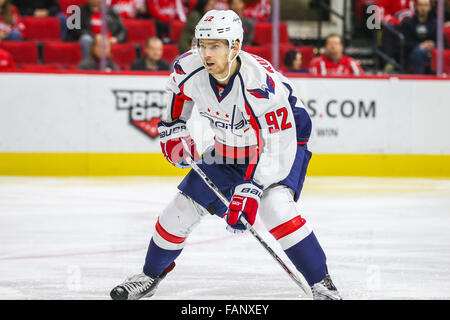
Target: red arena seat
(307, 54)
(72, 67)
(263, 33)
(176, 28)
(139, 30)
(42, 29)
(64, 4)
(123, 55)
(21, 51)
(39, 67)
(170, 53)
(62, 53)
(446, 61)
(447, 34)
(261, 51)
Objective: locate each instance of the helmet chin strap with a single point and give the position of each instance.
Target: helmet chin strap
(230, 63)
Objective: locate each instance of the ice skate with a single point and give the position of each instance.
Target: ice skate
(138, 286)
(325, 290)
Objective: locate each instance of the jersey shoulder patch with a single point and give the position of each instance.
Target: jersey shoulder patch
(184, 68)
(187, 63)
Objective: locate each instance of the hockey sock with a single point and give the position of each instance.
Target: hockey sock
(158, 259)
(309, 258)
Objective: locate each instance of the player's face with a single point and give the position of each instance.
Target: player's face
(215, 55)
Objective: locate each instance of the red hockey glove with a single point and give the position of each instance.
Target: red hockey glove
(170, 135)
(245, 201)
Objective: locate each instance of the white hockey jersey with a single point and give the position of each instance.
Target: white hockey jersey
(255, 111)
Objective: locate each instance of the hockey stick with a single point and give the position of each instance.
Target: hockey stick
(249, 227)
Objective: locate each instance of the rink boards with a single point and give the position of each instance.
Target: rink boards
(103, 124)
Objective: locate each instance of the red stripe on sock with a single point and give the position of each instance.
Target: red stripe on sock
(167, 236)
(288, 227)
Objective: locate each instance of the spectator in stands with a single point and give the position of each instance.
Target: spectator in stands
(222, 5)
(91, 25)
(447, 15)
(420, 37)
(37, 8)
(11, 26)
(334, 62)
(43, 9)
(238, 6)
(6, 61)
(129, 9)
(165, 11)
(293, 62)
(194, 17)
(258, 10)
(392, 13)
(152, 61)
(93, 61)
(446, 11)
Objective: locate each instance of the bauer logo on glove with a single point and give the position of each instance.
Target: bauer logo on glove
(171, 135)
(245, 201)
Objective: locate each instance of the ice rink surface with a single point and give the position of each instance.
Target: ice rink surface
(76, 238)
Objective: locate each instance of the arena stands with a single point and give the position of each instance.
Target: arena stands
(62, 54)
(139, 30)
(23, 52)
(44, 48)
(42, 29)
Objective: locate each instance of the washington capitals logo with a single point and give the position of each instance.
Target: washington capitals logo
(268, 88)
(177, 67)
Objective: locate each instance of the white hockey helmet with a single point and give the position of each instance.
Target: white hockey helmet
(220, 24)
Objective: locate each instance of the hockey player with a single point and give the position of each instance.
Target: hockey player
(258, 161)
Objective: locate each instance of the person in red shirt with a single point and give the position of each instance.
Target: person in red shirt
(6, 61)
(394, 11)
(91, 25)
(11, 26)
(165, 11)
(258, 10)
(129, 9)
(334, 62)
